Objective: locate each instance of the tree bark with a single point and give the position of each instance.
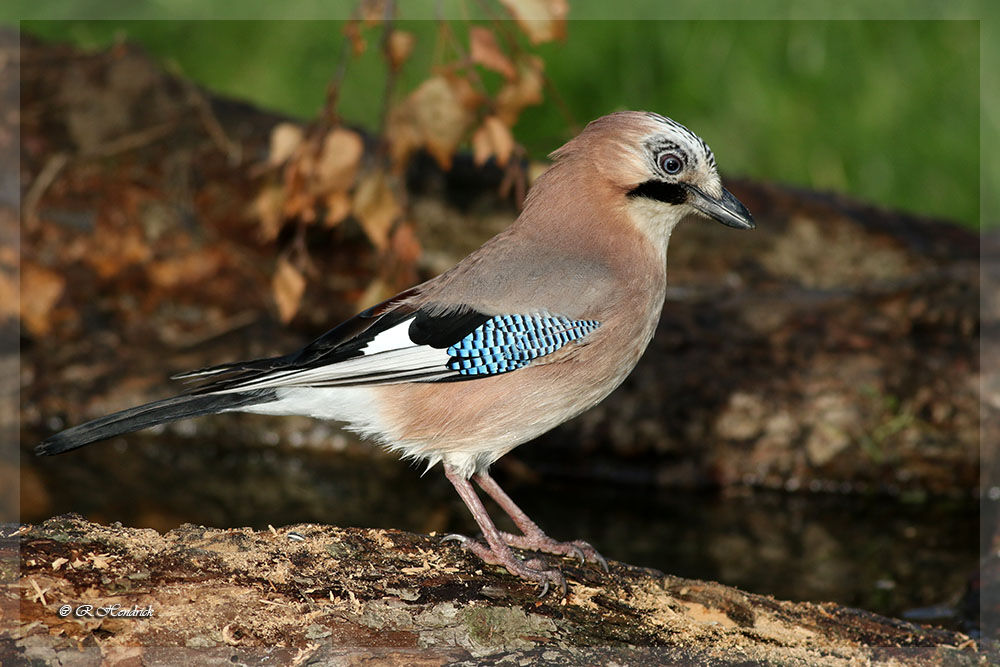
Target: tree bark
(317, 593)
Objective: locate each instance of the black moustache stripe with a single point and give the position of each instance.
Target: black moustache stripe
(671, 193)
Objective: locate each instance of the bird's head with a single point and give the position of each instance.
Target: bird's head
(661, 169)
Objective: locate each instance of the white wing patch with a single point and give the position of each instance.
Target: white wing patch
(389, 357)
(396, 338)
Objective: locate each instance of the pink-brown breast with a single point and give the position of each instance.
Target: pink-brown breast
(495, 414)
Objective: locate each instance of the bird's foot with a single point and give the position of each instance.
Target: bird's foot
(532, 570)
(539, 541)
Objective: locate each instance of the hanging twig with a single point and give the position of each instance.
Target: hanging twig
(232, 149)
(329, 117)
(391, 73)
(573, 127)
(501, 26)
(515, 49)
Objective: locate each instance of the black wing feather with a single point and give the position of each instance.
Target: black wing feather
(227, 387)
(341, 342)
(432, 326)
(444, 330)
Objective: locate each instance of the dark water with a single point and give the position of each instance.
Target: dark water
(877, 553)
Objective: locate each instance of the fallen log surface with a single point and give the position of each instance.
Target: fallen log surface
(310, 593)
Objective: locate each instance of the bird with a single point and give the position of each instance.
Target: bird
(539, 324)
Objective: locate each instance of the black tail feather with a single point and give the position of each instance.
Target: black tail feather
(151, 414)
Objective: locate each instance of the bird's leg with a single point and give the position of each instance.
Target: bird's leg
(498, 553)
(533, 537)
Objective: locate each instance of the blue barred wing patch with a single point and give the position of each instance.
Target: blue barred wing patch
(508, 342)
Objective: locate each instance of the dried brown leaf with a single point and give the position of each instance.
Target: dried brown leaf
(301, 205)
(501, 139)
(285, 139)
(372, 12)
(352, 30)
(442, 114)
(484, 50)
(376, 208)
(482, 146)
(113, 249)
(492, 138)
(298, 200)
(541, 20)
(402, 135)
(400, 47)
(41, 289)
(101, 561)
(523, 91)
(338, 207)
(470, 98)
(268, 208)
(435, 116)
(186, 269)
(338, 161)
(287, 286)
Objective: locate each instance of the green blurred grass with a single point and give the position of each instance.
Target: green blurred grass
(886, 111)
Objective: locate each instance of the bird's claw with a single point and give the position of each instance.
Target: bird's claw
(599, 559)
(561, 580)
(551, 576)
(579, 549)
(532, 570)
(585, 552)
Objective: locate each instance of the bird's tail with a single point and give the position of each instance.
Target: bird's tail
(151, 414)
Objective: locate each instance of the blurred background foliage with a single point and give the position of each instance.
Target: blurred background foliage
(886, 111)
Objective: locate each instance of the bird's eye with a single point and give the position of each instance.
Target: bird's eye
(670, 163)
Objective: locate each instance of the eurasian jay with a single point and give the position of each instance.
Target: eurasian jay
(536, 326)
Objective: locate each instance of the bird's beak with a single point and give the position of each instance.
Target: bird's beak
(727, 209)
